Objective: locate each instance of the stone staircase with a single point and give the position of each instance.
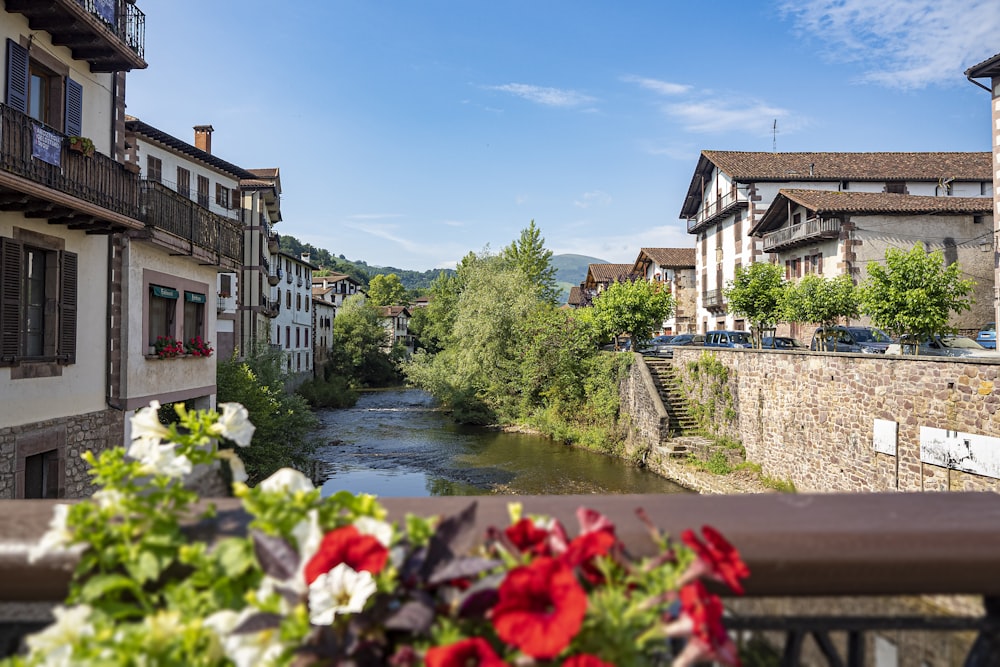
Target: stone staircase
(668, 387)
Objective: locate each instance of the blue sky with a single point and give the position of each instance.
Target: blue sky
(409, 133)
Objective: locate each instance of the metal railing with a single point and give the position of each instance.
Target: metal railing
(96, 179)
(713, 207)
(811, 229)
(713, 298)
(164, 209)
(129, 25)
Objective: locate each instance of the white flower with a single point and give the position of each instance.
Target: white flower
(55, 643)
(146, 424)
(235, 464)
(160, 459)
(339, 591)
(308, 536)
(108, 498)
(58, 539)
(234, 424)
(286, 480)
(245, 649)
(380, 530)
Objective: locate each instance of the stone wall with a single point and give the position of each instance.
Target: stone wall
(811, 417)
(647, 419)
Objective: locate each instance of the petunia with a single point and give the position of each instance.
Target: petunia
(474, 652)
(585, 660)
(146, 424)
(716, 558)
(245, 649)
(55, 643)
(540, 608)
(701, 621)
(236, 465)
(342, 590)
(234, 424)
(347, 545)
(529, 538)
(58, 539)
(286, 480)
(380, 530)
(160, 459)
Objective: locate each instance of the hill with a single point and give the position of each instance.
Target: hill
(571, 270)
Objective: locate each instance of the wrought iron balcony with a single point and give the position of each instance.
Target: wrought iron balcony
(809, 231)
(713, 299)
(715, 208)
(218, 236)
(94, 192)
(109, 35)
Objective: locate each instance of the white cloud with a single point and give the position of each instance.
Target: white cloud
(905, 44)
(551, 97)
(593, 198)
(746, 116)
(624, 248)
(657, 86)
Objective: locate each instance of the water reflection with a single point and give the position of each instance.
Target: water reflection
(394, 443)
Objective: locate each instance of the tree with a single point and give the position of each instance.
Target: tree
(914, 294)
(757, 293)
(820, 300)
(528, 253)
(359, 342)
(387, 290)
(632, 307)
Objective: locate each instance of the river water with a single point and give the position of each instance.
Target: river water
(395, 443)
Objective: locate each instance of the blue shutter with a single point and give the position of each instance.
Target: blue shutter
(74, 108)
(17, 76)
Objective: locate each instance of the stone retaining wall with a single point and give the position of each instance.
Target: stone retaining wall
(648, 422)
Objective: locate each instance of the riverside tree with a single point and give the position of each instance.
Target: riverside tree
(820, 300)
(914, 294)
(757, 293)
(359, 342)
(529, 254)
(387, 290)
(632, 307)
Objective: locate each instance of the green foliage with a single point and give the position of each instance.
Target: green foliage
(914, 294)
(284, 421)
(528, 253)
(359, 345)
(387, 290)
(819, 300)
(757, 293)
(632, 307)
(328, 392)
(709, 380)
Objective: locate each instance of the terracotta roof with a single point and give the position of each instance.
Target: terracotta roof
(575, 297)
(271, 172)
(989, 67)
(393, 311)
(146, 130)
(606, 273)
(672, 258)
(832, 201)
(320, 290)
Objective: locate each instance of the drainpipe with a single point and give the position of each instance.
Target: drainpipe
(974, 82)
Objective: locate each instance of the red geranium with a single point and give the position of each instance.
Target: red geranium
(347, 545)
(475, 652)
(540, 608)
(718, 559)
(586, 660)
(701, 617)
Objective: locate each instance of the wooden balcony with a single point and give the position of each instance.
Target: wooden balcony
(206, 235)
(95, 194)
(811, 230)
(110, 35)
(713, 300)
(839, 546)
(712, 209)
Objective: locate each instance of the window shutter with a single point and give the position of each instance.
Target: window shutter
(74, 108)
(67, 308)
(10, 300)
(17, 76)
(234, 202)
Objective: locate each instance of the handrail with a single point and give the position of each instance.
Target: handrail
(165, 209)
(806, 231)
(129, 25)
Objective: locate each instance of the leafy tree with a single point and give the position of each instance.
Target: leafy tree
(359, 342)
(528, 253)
(632, 307)
(387, 290)
(757, 293)
(914, 294)
(818, 300)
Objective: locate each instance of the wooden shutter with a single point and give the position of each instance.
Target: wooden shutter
(74, 108)
(234, 202)
(17, 76)
(10, 300)
(67, 308)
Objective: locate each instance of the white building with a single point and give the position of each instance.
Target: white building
(292, 328)
(674, 270)
(335, 287)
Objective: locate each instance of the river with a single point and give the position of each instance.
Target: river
(396, 443)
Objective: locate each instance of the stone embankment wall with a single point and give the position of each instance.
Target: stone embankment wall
(851, 422)
(647, 419)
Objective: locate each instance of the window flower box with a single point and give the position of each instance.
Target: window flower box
(81, 145)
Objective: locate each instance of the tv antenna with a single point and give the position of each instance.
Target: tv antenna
(774, 136)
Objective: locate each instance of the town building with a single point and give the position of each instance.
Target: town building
(292, 327)
(599, 277)
(323, 314)
(730, 191)
(260, 274)
(335, 287)
(397, 325)
(674, 270)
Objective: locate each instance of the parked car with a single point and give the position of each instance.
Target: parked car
(681, 340)
(987, 336)
(656, 344)
(867, 340)
(782, 343)
(945, 346)
(734, 339)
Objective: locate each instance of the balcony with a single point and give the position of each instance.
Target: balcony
(299, 281)
(109, 35)
(713, 300)
(94, 193)
(809, 231)
(270, 307)
(797, 546)
(273, 243)
(208, 236)
(274, 278)
(714, 209)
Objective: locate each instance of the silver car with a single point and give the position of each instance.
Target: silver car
(945, 346)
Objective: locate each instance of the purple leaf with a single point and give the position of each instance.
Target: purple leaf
(276, 556)
(257, 623)
(463, 567)
(453, 536)
(415, 617)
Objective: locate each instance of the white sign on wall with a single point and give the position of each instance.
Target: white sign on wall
(884, 436)
(968, 452)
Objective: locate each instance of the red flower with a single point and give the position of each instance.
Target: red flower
(347, 545)
(585, 548)
(475, 652)
(718, 559)
(586, 660)
(528, 537)
(709, 640)
(540, 608)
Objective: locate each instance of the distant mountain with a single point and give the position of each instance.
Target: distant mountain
(571, 270)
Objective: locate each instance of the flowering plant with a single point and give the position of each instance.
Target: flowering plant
(328, 581)
(168, 347)
(197, 347)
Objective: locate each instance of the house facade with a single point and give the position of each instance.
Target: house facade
(335, 287)
(674, 269)
(730, 192)
(65, 206)
(599, 277)
(260, 273)
(397, 325)
(292, 327)
(323, 314)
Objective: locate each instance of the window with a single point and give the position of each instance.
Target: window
(288, 299)
(154, 169)
(298, 302)
(194, 315)
(41, 475)
(298, 337)
(288, 337)
(226, 284)
(203, 191)
(796, 218)
(183, 182)
(221, 195)
(162, 312)
(38, 300)
(895, 187)
(39, 85)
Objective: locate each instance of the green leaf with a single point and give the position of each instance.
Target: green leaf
(105, 584)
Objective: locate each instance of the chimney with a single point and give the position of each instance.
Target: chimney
(305, 256)
(203, 137)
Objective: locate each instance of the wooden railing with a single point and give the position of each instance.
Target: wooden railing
(712, 208)
(167, 210)
(96, 179)
(811, 229)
